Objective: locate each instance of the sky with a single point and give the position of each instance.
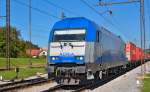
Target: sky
(124, 21)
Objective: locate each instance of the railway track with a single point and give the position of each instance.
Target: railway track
(23, 83)
(89, 85)
(95, 84)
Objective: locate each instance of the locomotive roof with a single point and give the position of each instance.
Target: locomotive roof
(77, 22)
(80, 23)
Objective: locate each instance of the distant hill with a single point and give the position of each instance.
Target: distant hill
(18, 46)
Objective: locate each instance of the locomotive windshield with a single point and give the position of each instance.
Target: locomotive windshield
(69, 35)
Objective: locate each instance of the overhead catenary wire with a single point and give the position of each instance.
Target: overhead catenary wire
(37, 30)
(83, 1)
(37, 9)
(112, 17)
(34, 34)
(60, 7)
(116, 22)
(101, 15)
(34, 26)
(48, 14)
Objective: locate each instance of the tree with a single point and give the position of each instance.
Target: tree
(17, 45)
(2, 42)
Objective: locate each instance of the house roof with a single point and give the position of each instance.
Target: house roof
(34, 52)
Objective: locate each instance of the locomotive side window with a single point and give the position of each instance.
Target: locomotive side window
(97, 36)
(69, 35)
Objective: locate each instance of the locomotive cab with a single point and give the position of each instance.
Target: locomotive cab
(68, 46)
(66, 55)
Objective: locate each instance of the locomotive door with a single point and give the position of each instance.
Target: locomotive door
(101, 53)
(101, 46)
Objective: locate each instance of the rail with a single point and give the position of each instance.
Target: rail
(23, 83)
(52, 89)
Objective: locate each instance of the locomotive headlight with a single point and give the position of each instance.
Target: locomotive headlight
(53, 58)
(81, 58)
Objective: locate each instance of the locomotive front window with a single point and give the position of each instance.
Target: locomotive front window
(69, 35)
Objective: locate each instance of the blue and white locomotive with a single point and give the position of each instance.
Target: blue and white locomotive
(80, 50)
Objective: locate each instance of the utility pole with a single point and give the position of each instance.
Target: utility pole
(8, 34)
(6, 51)
(142, 25)
(30, 33)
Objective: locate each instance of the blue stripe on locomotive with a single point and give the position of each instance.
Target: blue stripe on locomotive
(63, 59)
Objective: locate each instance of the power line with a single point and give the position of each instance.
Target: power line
(117, 3)
(40, 36)
(37, 9)
(93, 9)
(97, 12)
(101, 15)
(57, 6)
(116, 22)
(34, 26)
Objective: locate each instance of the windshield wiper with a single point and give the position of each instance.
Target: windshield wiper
(61, 46)
(71, 45)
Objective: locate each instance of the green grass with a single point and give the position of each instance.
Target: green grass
(23, 73)
(146, 86)
(23, 62)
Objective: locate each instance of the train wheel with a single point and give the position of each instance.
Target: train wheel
(49, 75)
(99, 75)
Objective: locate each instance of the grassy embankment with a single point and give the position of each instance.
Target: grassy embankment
(146, 84)
(23, 73)
(23, 63)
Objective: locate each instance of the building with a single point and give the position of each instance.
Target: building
(37, 52)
